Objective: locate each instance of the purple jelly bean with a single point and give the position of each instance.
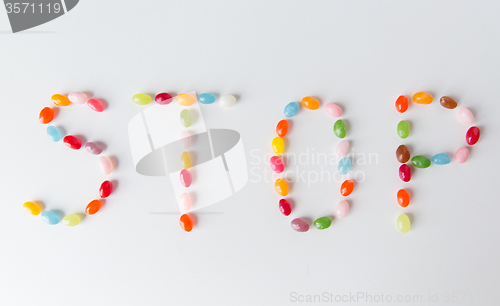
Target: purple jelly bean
(93, 148)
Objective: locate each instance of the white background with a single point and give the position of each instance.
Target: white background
(361, 54)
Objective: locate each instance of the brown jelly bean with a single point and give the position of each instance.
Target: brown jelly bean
(448, 102)
(403, 154)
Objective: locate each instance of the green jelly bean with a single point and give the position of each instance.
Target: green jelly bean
(340, 128)
(420, 161)
(186, 118)
(403, 129)
(141, 99)
(323, 223)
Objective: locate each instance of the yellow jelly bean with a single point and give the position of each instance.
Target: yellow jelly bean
(185, 99)
(422, 98)
(281, 187)
(186, 161)
(32, 208)
(403, 223)
(60, 100)
(310, 103)
(71, 220)
(278, 145)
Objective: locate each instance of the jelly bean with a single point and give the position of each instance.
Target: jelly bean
(403, 129)
(342, 209)
(186, 161)
(346, 188)
(403, 154)
(141, 99)
(227, 100)
(441, 159)
(462, 155)
(299, 225)
(32, 208)
(422, 98)
(72, 142)
(95, 105)
(277, 164)
(46, 115)
(186, 223)
(322, 223)
(77, 97)
(472, 135)
(291, 109)
(420, 161)
(344, 165)
(465, 115)
(50, 217)
(281, 187)
(333, 110)
(106, 165)
(105, 189)
(93, 207)
(340, 128)
(54, 133)
(93, 148)
(405, 173)
(285, 207)
(342, 148)
(310, 103)
(186, 178)
(185, 99)
(282, 128)
(186, 118)
(60, 100)
(278, 145)
(403, 198)
(206, 98)
(402, 104)
(185, 201)
(448, 102)
(403, 223)
(186, 141)
(163, 98)
(71, 220)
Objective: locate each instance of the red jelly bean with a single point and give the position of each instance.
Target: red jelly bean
(95, 105)
(186, 223)
(105, 189)
(282, 128)
(285, 207)
(405, 173)
(46, 115)
(163, 98)
(72, 142)
(472, 135)
(93, 207)
(403, 198)
(346, 188)
(402, 104)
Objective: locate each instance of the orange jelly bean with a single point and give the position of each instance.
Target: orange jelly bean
(186, 223)
(402, 104)
(403, 198)
(422, 98)
(310, 103)
(46, 115)
(93, 207)
(281, 187)
(282, 128)
(346, 188)
(60, 100)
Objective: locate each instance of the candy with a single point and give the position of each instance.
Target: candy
(422, 98)
(186, 161)
(344, 165)
(285, 207)
(95, 105)
(281, 187)
(93, 148)
(420, 161)
(206, 98)
(72, 142)
(54, 133)
(465, 115)
(106, 165)
(441, 159)
(403, 129)
(227, 100)
(278, 145)
(60, 100)
(186, 223)
(340, 128)
(277, 164)
(186, 178)
(186, 118)
(141, 99)
(405, 173)
(105, 189)
(185, 99)
(32, 208)
(403, 154)
(448, 102)
(402, 104)
(342, 209)
(322, 223)
(46, 115)
(333, 110)
(310, 103)
(93, 207)
(472, 135)
(346, 188)
(77, 97)
(282, 128)
(403, 223)
(50, 217)
(185, 201)
(163, 98)
(71, 220)
(185, 137)
(342, 148)
(403, 198)
(291, 109)
(462, 155)
(299, 225)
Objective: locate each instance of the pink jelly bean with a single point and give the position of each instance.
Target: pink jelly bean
(95, 105)
(465, 116)
(333, 110)
(186, 178)
(93, 148)
(342, 209)
(342, 148)
(185, 201)
(106, 165)
(300, 225)
(277, 164)
(405, 173)
(462, 155)
(77, 97)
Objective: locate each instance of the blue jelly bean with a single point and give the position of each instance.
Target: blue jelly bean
(206, 98)
(54, 133)
(291, 109)
(441, 159)
(344, 165)
(50, 217)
